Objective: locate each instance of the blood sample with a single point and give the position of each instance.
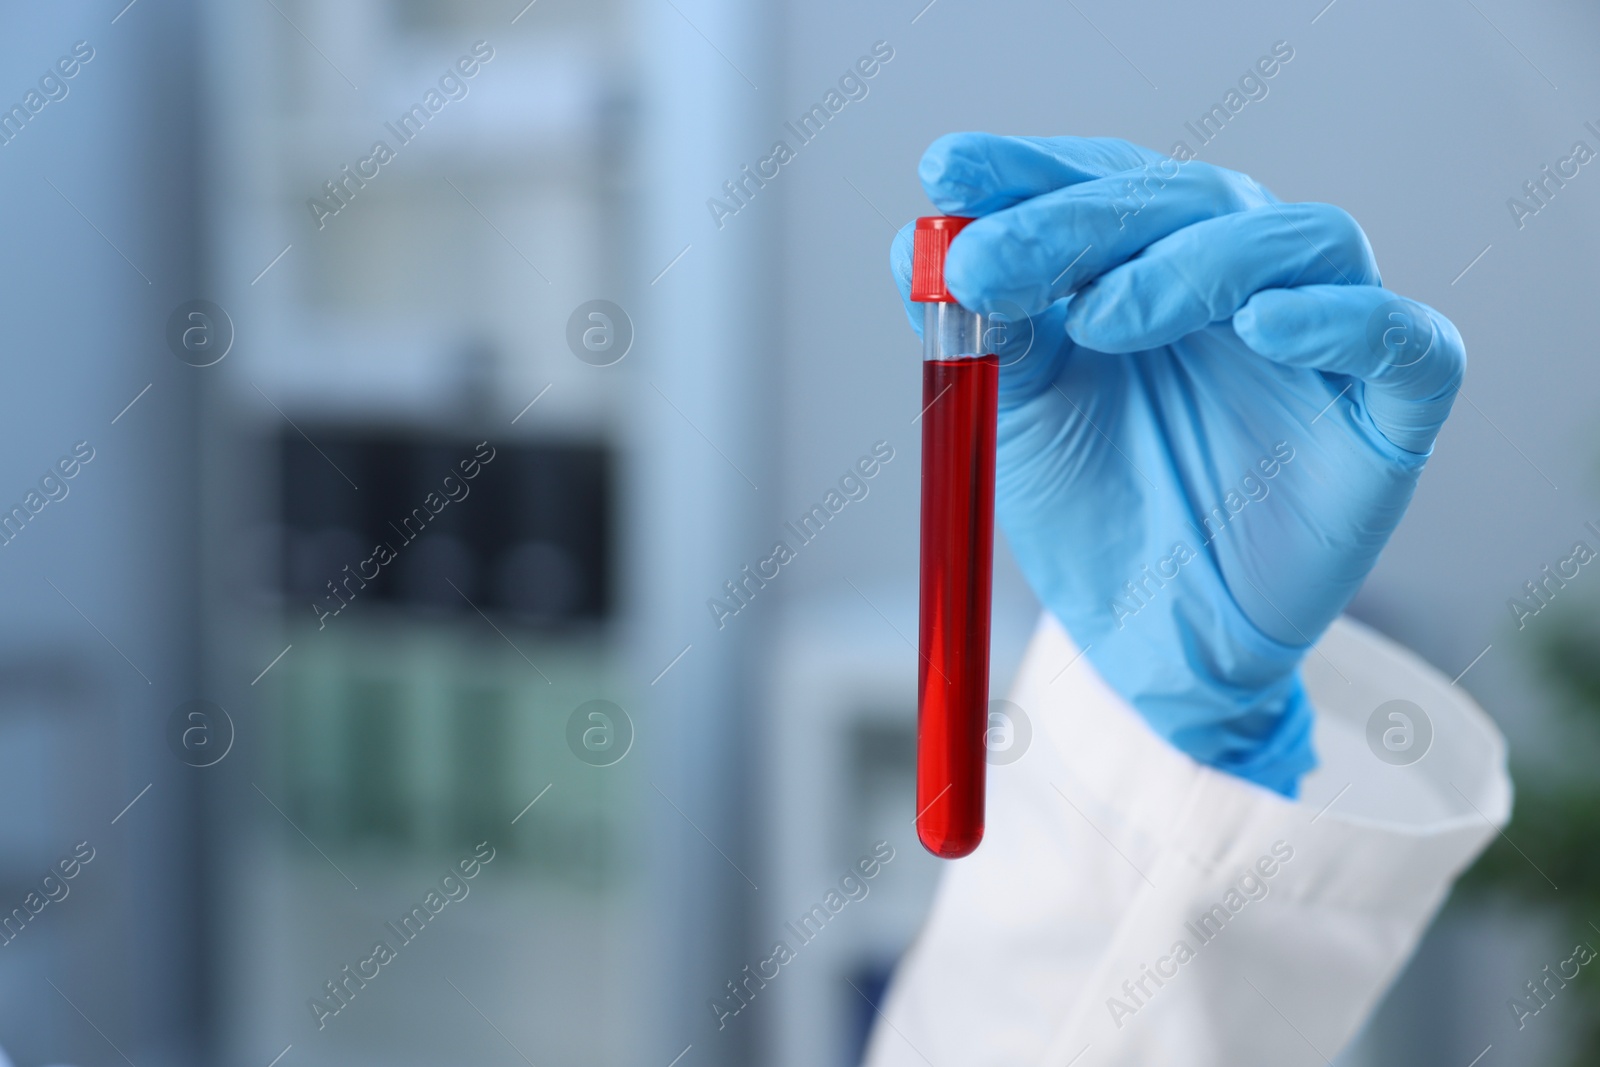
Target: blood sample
(960, 389)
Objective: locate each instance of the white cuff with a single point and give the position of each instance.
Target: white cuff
(1130, 907)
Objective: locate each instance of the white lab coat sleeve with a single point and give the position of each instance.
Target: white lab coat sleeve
(1129, 906)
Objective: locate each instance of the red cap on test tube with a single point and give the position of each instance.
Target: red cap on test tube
(933, 236)
(960, 391)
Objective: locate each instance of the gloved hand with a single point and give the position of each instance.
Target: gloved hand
(1219, 423)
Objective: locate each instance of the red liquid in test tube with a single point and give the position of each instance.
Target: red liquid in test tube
(960, 389)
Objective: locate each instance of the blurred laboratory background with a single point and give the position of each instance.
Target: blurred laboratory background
(562, 349)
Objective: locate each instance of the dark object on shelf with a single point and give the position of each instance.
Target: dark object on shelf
(521, 530)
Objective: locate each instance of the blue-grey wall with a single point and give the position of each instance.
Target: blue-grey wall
(99, 195)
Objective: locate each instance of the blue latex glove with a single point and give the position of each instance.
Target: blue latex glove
(1220, 421)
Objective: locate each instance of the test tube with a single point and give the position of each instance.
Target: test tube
(960, 391)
